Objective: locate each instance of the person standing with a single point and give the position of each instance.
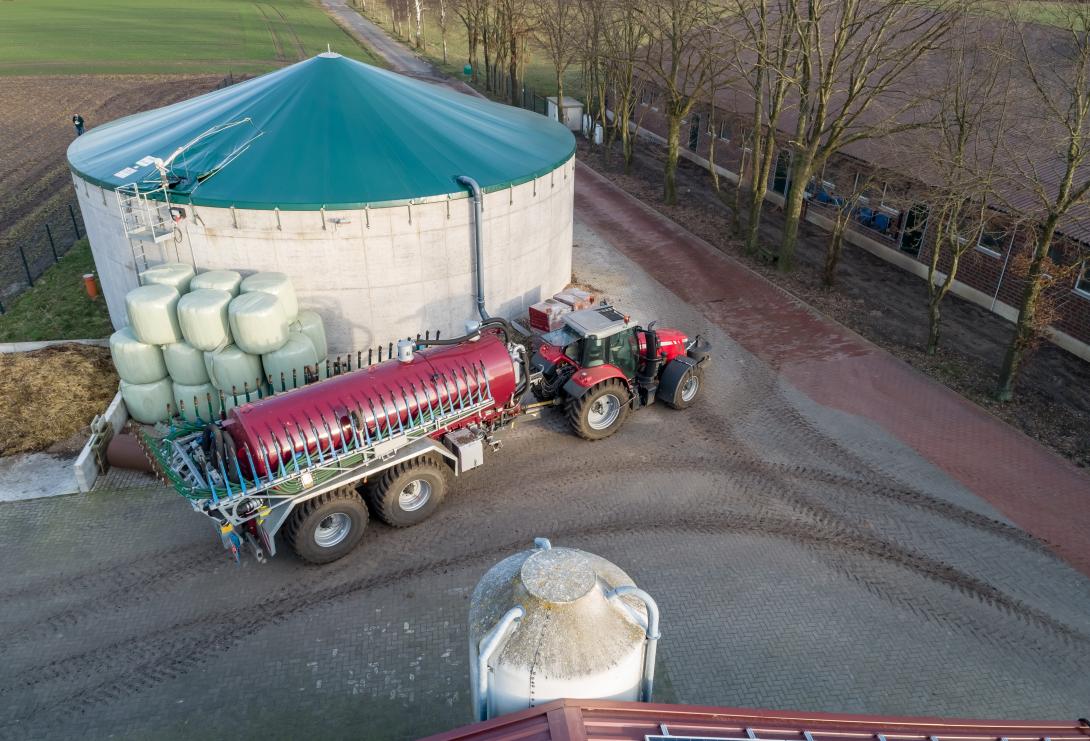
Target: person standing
(77, 121)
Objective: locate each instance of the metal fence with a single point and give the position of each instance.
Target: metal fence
(24, 257)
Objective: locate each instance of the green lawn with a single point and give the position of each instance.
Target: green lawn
(151, 36)
(57, 307)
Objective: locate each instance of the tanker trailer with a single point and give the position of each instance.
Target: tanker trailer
(294, 462)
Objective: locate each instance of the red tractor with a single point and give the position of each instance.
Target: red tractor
(600, 365)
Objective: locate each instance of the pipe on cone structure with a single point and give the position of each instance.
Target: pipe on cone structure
(478, 237)
(653, 635)
(482, 653)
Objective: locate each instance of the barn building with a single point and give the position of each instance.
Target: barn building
(345, 177)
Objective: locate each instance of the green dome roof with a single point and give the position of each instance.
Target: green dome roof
(327, 132)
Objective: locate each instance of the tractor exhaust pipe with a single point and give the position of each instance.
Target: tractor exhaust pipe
(478, 238)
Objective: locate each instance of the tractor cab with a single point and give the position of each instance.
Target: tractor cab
(600, 336)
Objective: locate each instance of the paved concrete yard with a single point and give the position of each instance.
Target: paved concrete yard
(801, 556)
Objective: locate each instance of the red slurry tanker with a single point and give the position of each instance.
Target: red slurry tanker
(310, 462)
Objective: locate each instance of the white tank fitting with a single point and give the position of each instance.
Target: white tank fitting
(405, 351)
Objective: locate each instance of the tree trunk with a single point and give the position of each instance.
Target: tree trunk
(1025, 328)
(792, 215)
(673, 135)
(833, 251)
(560, 99)
(514, 67)
(933, 317)
(764, 148)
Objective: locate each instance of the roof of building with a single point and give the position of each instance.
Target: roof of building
(326, 132)
(579, 720)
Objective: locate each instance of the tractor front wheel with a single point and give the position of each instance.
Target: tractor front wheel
(327, 527)
(681, 384)
(600, 412)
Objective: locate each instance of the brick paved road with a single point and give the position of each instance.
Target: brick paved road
(802, 556)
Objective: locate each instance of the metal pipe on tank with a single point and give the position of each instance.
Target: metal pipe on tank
(647, 683)
(482, 653)
(478, 237)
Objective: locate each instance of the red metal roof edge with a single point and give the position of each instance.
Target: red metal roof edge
(560, 715)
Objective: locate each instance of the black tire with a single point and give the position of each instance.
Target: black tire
(317, 519)
(677, 389)
(423, 481)
(580, 410)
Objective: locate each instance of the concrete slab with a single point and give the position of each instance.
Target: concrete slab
(35, 475)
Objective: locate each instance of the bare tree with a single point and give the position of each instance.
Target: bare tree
(472, 14)
(556, 25)
(418, 15)
(444, 22)
(764, 54)
(845, 204)
(623, 39)
(679, 60)
(961, 152)
(1054, 168)
(851, 55)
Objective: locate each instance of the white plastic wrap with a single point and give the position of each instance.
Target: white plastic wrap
(185, 364)
(310, 324)
(258, 322)
(286, 366)
(148, 402)
(202, 318)
(199, 400)
(217, 280)
(136, 361)
(177, 275)
(153, 314)
(232, 368)
(279, 285)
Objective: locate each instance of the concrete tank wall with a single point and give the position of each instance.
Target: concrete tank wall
(374, 275)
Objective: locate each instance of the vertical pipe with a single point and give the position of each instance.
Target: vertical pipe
(478, 238)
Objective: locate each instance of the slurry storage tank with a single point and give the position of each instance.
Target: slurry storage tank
(344, 176)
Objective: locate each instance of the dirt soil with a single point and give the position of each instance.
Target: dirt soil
(884, 304)
(49, 397)
(36, 121)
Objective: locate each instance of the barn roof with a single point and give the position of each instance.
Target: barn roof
(326, 132)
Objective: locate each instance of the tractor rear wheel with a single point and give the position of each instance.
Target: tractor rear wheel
(409, 492)
(600, 412)
(327, 527)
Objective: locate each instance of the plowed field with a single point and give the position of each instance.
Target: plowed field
(36, 125)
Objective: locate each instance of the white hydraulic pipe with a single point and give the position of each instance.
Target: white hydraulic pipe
(651, 648)
(482, 654)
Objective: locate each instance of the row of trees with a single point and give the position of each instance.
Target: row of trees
(987, 122)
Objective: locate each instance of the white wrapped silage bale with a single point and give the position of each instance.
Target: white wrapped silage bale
(177, 275)
(286, 368)
(310, 324)
(202, 318)
(258, 322)
(232, 369)
(153, 314)
(185, 364)
(136, 361)
(196, 401)
(148, 402)
(217, 280)
(279, 285)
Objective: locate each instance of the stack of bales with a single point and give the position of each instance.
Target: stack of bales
(199, 344)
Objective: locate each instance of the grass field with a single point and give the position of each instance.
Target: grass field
(184, 36)
(57, 307)
(539, 73)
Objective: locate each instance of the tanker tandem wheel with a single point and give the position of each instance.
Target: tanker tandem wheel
(410, 492)
(327, 527)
